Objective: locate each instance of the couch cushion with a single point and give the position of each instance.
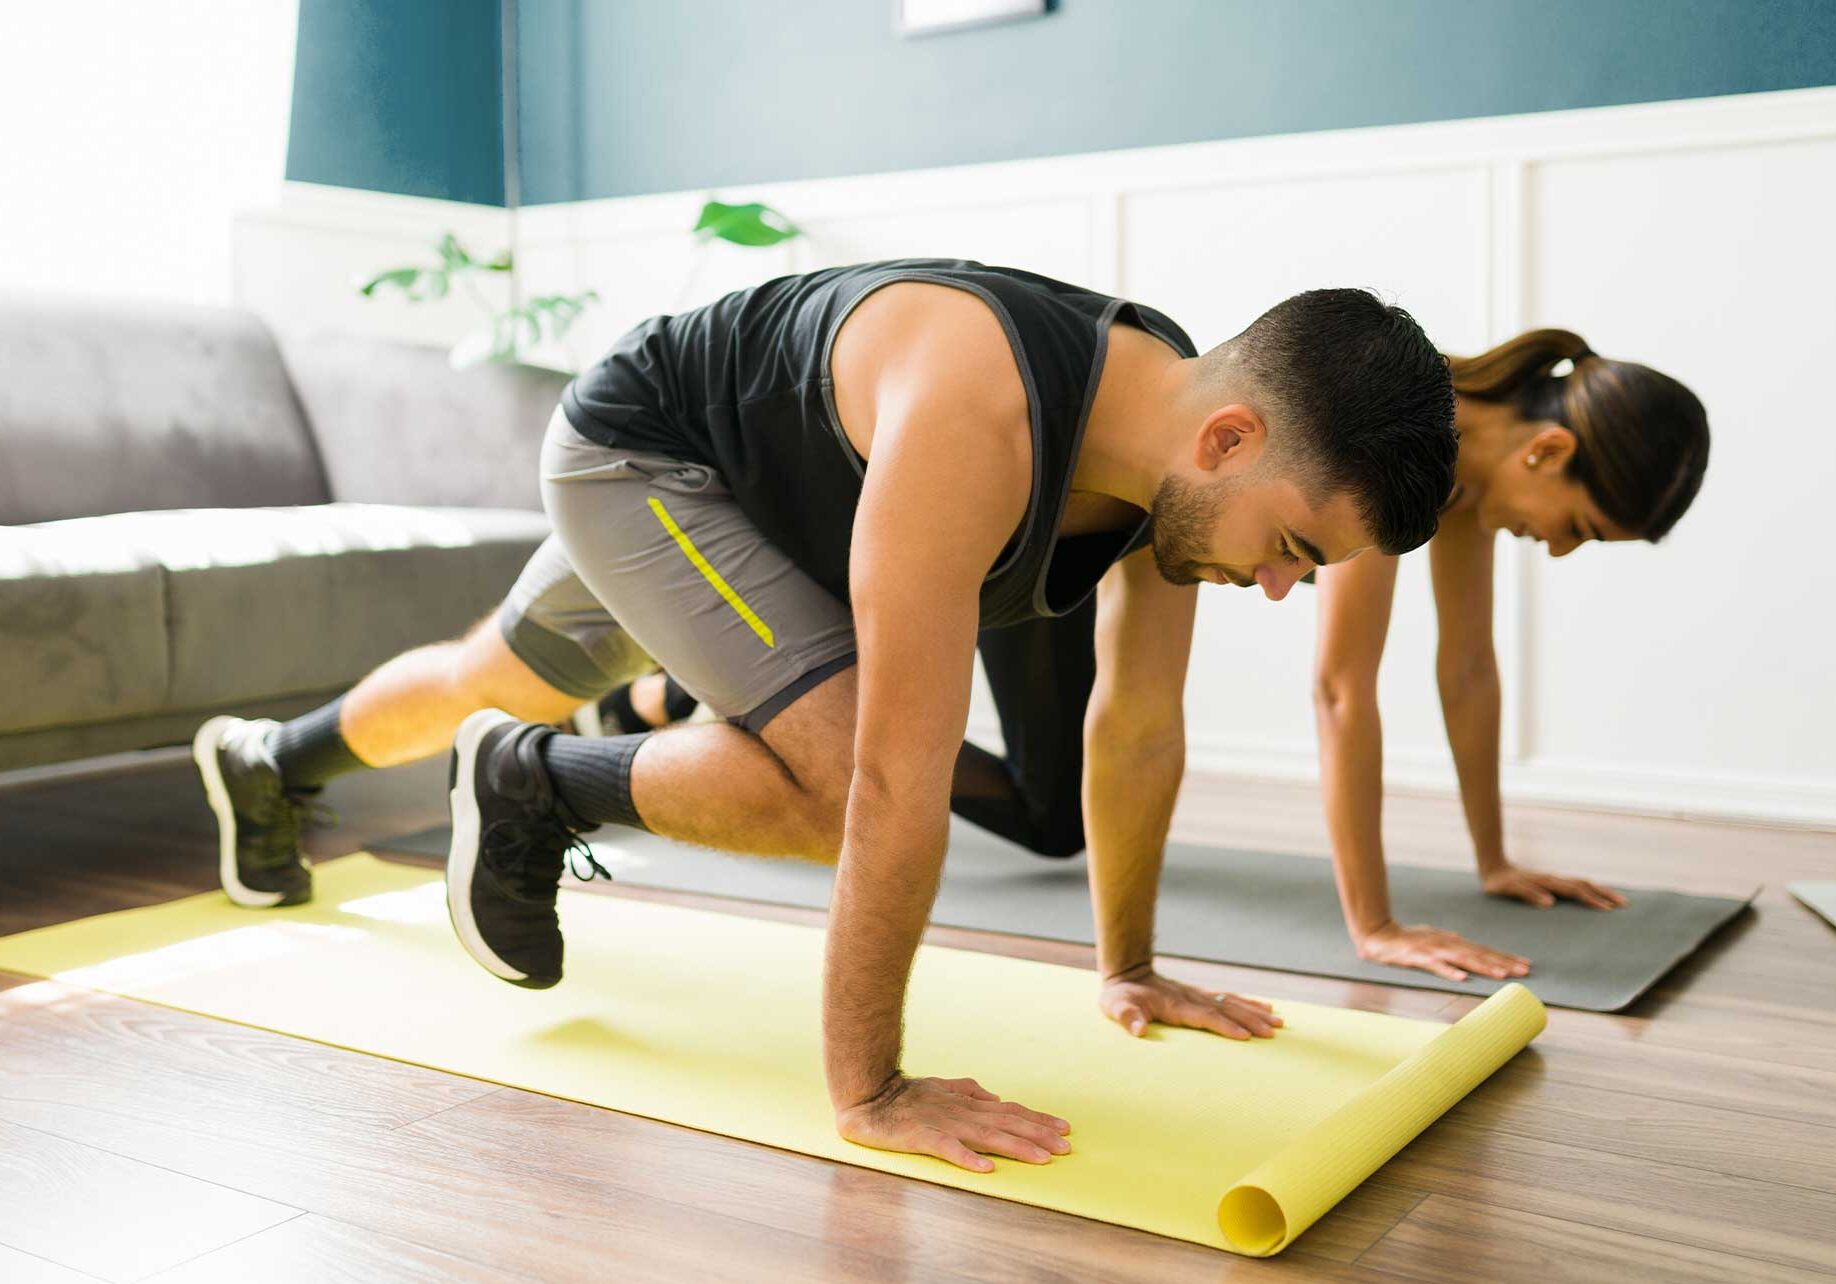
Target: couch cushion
(253, 603)
(82, 627)
(395, 424)
(111, 407)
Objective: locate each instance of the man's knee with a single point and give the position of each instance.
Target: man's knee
(823, 784)
(814, 739)
(826, 820)
(486, 673)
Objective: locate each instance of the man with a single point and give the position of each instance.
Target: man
(884, 460)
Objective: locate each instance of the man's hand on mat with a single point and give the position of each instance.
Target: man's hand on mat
(1137, 997)
(954, 1119)
(1543, 890)
(1446, 954)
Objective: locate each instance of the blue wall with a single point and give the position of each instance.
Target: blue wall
(619, 97)
(400, 96)
(628, 96)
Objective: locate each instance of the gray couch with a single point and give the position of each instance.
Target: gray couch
(197, 518)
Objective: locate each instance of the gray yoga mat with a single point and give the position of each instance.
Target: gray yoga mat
(1248, 908)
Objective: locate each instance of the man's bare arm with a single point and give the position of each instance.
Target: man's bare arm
(947, 483)
(1134, 752)
(1134, 757)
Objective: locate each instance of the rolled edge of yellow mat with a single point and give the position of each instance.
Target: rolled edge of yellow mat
(1270, 1207)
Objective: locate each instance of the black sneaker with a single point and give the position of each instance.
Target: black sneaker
(258, 818)
(511, 838)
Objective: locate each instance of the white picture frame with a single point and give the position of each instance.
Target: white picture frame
(930, 17)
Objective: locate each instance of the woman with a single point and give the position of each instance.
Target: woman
(1557, 444)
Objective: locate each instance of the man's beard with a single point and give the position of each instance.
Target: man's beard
(1183, 516)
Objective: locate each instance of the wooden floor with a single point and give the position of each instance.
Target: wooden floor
(1692, 1138)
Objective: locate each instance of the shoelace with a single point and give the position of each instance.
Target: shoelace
(580, 847)
(509, 844)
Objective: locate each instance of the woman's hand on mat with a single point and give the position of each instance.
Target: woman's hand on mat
(1446, 954)
(954, 1119)
(1543, 890)
(1135, 998)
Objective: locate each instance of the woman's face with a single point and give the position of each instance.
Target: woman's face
(1530, 495)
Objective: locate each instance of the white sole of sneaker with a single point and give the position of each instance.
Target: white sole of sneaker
(204, 748)
(462, 856)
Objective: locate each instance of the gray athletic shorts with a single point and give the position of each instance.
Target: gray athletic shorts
(652, 564)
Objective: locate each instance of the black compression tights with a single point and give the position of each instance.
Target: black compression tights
(1040, 674)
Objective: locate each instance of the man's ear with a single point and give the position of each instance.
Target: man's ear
(1231, 436)
(1551, 448)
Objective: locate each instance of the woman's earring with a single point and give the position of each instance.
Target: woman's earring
(1530, 462)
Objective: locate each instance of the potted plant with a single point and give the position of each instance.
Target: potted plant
(511, 333)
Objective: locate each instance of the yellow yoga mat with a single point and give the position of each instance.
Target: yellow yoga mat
(710, 1020)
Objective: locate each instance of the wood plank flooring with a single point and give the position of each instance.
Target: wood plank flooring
(1690, 1138)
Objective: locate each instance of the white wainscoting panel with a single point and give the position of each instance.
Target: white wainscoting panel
(1709, 656)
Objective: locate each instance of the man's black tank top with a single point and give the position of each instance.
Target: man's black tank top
(743, 386)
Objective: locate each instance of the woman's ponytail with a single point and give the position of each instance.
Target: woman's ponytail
(1499, 374)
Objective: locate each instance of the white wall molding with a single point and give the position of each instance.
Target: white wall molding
(1738, 120)
(317, 206)
(1677, 233)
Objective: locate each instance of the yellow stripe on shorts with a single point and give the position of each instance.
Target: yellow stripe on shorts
(708, 573)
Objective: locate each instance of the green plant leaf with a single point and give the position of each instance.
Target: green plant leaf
(516, 331)
(751, 224)
(417, 284)
(421, 285)
(400, 278)
(560, 311)
(528, 334)
(452, 254)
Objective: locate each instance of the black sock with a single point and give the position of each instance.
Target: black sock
(677, 703)
(310, 750)
(621, 716)
(617, 713)
(592, 777)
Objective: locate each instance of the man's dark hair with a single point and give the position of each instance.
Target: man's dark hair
(1368, 401)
